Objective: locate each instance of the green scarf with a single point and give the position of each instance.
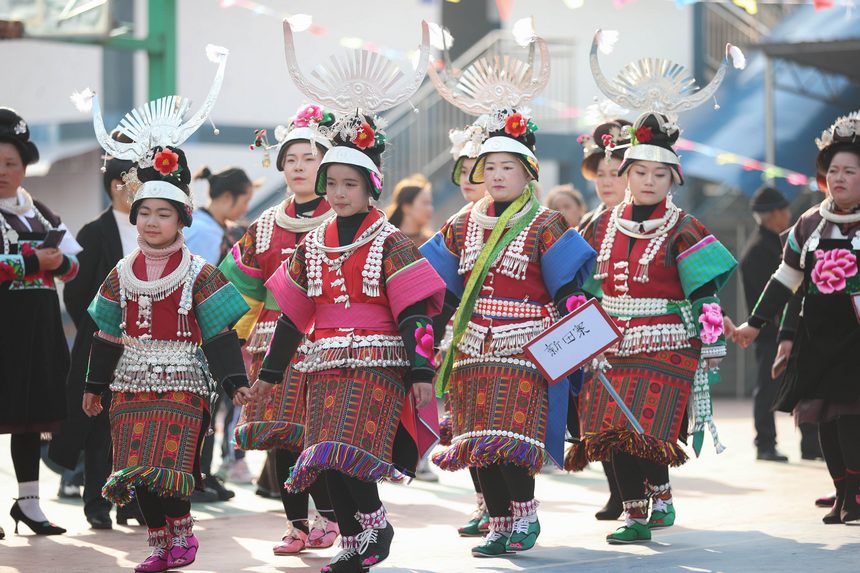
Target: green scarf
(489, 253)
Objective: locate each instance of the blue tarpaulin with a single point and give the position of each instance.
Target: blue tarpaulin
(738, 126)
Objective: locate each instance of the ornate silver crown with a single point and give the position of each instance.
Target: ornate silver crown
(159, 122)
(656, 84)
(495, 83)
(846, 129)
(359, 79)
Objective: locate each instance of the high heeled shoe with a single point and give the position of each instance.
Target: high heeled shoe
(38, 527)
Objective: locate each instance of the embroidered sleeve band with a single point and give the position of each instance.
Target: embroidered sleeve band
(292, 299)
(788, 276)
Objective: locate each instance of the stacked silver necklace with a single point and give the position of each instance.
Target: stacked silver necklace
(511, 262)
(318, 251)
(145, 292)
(825, 209)
(654, 230)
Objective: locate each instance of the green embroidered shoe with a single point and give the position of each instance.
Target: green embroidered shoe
(494, 545)
(663, 515)
(635, 532)
(524, 535)
(478, 525)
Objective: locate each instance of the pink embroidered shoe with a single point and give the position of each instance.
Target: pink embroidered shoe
(183, 551)
(323, 533)
(293, 541)
(157, 561)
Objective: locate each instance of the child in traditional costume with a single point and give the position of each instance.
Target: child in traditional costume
(368, 295)
(278, 425)
(510, 267)
(820, 261)
(164, 318)
(658, 274)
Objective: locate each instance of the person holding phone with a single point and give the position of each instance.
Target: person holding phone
(32, 388)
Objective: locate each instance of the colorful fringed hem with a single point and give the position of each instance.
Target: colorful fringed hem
(269, 435)
(446, 433)
(576, 460)
(344, 458)
(488, 450)
(598, 447)
(161, 481)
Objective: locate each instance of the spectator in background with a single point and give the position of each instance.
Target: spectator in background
(761, 256)
(230, 191)
(411, 208)
(210, 236)
(568, 201)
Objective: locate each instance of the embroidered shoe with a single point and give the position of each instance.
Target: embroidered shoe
(524, 535)
(477, 526)
(155, 563)
(662, 515)
(183, 551)
(494, 545)
(347, 561)
(633, 532)
(323, 533)
(293, 541)
(374, 545)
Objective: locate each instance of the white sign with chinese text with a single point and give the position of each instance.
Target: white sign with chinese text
(573, 341)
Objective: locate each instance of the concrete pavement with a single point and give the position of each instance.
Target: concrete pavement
(734, 515)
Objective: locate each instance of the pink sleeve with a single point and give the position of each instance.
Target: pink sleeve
(417, 282)
(291, 298)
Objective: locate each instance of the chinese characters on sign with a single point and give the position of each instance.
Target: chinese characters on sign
(573, 341)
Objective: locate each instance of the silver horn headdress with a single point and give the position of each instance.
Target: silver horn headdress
(160, 122)
(656, 84)
(359, 79)
(495, 83)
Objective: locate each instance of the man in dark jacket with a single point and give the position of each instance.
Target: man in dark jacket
(761, 257)
(105, 241)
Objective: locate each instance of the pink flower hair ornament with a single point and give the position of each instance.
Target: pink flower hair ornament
(712, 322)
(308, 114)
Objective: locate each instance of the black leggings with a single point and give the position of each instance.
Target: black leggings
(840, 444)
(296, 504)
(156, 508)
(25, 456)
(632, 473)
(348, 496)
(503, 483)
(473, 473)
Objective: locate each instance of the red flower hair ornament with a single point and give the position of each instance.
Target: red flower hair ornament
(516, 125)
(365, 137)
(166, 162)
